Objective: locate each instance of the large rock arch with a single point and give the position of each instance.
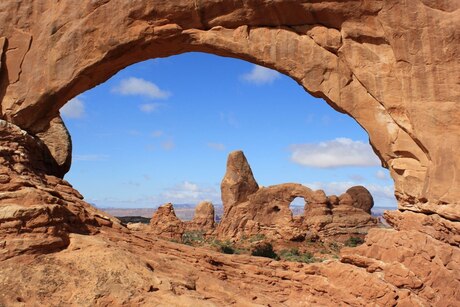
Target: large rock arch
(391, 65)
(377, 61)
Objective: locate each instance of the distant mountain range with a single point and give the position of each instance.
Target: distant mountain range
(185, 211)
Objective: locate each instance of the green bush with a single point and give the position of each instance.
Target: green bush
(293, 254)
(354, 241)
(227, 249)
(264, 249)
(224, 247)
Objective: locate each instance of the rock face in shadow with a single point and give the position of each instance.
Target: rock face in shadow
(266, 210)
(362, 199)
(165, 224)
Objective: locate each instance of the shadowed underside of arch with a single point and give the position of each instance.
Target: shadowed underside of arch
(391, 65)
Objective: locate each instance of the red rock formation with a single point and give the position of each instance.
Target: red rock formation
(165, 223)
(370, 61)
(391, 65)
(238, 182)
(267, 210)
(362, 199)
(203, 219)
(38, 211)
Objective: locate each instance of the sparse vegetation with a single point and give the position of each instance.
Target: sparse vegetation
(193, 238)
(224, 247)
(354, 241)
(256, 238)
(334, 246)
(264, 249)
(293, 254)
(227, 249)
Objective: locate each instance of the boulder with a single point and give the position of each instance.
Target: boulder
(362, 198)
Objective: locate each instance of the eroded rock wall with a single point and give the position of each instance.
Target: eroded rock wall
(266, 210)
(391, 65)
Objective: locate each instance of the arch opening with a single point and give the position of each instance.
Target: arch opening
(298, 206)
(158, 119)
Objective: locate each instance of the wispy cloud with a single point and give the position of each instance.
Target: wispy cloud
(157, 133)
(149, 107)
(74, 108)
(382, 175)
(260, 75)
(216, 146)
(168, 145)
(230, 119)
(91, 157)
(335, 153)
(183, 193)
(189, 192)
(140, 87)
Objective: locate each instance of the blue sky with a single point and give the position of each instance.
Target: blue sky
(160, 131)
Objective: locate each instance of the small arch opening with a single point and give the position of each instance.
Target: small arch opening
(298, 206)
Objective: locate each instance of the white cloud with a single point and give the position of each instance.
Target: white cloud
(141, 87)
(157, 133)
(380, 174)
(189, 192)
(74, 108)
(335, 153)
(90, 157)
(183, 193)
(168, 145)
(261, 75)
(216, 146)
(149, 107)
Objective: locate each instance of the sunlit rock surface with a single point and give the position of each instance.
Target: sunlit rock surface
(391, 65)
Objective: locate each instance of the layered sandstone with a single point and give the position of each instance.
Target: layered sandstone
(165, 224)
(369, 60)
(266, 210)
(37, 210)
(391, 65)
(203, 219)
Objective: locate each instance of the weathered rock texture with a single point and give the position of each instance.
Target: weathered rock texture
(165, 223)
(391, 65)
(266, 210)
(203, 219)
(362, 199)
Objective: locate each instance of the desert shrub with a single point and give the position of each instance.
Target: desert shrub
(354, 241)
(257, 237)
(193, 237)
(293, 254)
(334, 246)
(224, 247)
(227, 249)
(264, 249)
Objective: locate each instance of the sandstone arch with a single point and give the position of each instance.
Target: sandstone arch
(391, 65)
(356, 55)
